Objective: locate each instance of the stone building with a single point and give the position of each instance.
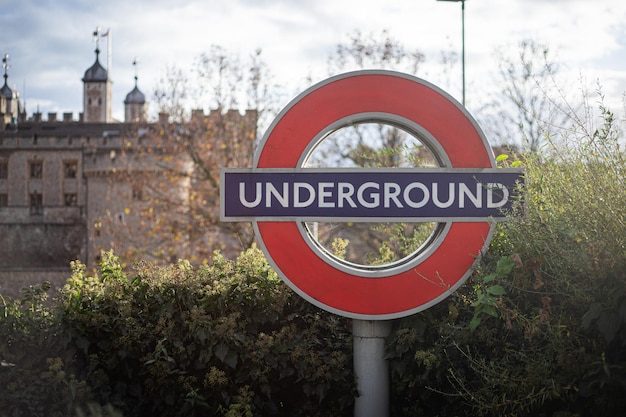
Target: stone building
(57, 180)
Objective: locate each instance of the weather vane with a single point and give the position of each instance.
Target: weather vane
(96, 37)
(135, 64)
(5, 65)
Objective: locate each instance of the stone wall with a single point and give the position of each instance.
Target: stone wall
(11, 282)
(41, 245)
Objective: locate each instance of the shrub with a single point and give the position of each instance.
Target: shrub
(36, 377)
(226, 339)
(540, 327)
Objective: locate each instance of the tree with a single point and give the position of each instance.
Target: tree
(171, 168)
(528, 105)
(379, 52)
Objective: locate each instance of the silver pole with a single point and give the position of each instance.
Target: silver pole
(109, 51)
(370, 367)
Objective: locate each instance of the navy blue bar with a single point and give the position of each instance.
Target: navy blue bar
(369, 194)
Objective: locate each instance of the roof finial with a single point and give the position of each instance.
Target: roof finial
(135, 63)
(5, 65)
(96, 38)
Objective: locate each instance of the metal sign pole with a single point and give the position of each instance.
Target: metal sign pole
(370, 367)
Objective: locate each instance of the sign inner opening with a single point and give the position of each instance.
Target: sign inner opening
(365, 244)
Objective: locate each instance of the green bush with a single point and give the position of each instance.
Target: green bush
(540, 327)
(226, 339)
(35, 376)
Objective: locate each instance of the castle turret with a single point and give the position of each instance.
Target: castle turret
(135, 108)
(9, 108)
(97, 91)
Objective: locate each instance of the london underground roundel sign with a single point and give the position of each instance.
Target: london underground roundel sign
(465, 196)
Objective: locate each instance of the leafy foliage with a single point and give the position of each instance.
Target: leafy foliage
(539, 328)
(229, 336)
(226, 339)
(35, 376)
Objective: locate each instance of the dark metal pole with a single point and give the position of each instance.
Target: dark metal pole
(463, 45)
(462, 42)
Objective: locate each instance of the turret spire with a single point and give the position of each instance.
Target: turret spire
(97, 89)
(96, 38)
(5, 66)
(135, 63)
(5, 90)
(135, 103)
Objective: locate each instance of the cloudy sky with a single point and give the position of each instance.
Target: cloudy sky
(50, 42)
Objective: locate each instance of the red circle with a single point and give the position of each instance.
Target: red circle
(336, 290)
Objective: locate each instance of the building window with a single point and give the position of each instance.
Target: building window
(4, 170)
(70, 169)
(4, 200)
(36, 203)
(71, 199)
(36, 169)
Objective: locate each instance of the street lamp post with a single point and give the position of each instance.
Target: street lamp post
(462, 41)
